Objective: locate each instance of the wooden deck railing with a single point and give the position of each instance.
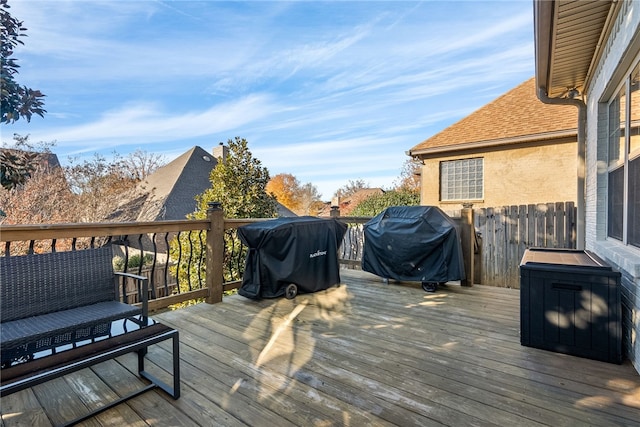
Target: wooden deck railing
(178, 254)
(185, 260)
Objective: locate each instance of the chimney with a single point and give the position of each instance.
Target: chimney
(221, 152)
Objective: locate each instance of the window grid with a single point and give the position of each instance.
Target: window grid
(461, 179)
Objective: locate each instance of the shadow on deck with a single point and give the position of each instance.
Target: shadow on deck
(363, 353)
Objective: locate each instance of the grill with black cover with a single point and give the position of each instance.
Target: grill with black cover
(413, 243)
(301, 250)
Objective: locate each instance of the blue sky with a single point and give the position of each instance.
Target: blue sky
(327, 91)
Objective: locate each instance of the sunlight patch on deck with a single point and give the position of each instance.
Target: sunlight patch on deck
(594, 402)
(279, 330)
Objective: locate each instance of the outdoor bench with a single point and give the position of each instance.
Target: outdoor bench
(61, 312)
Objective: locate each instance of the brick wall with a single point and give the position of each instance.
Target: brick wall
(620, 53)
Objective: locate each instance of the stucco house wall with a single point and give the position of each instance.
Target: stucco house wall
(622, 52)
(513, 175)
(529, 152)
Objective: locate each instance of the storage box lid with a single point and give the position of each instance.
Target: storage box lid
(566, 257)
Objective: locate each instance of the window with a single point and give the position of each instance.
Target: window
(461, 179)
(623, 205)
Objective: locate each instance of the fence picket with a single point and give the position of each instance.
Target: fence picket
(508, 231)
(559, 225)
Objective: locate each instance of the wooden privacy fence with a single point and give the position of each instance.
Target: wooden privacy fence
(507, 231)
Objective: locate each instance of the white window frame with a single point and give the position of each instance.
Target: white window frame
(454, 173)
(625, 156)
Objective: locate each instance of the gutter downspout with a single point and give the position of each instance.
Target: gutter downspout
(580, 196)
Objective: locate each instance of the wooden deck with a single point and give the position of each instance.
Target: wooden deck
(360, 354)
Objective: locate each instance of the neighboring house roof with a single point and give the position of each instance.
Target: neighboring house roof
(46, 160)
(515, 117)
(169, 193)
(283, 211)
(347, 204)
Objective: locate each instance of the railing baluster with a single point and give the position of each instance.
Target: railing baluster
(190, 259)
(179, 262)
(166, 264)
(125, 243)
(141, 255)
(152, 279)
(201, 252)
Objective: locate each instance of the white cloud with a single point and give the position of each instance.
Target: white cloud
(323, 90)
(149, 124)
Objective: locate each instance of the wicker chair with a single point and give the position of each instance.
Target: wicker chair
(51, 303)
(58, 298)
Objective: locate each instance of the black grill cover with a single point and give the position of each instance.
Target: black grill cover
(413, 243)
(300, 250)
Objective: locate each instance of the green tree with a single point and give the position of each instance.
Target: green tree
(239, 182)
(18, 164)
(17, 101)
(373, 205)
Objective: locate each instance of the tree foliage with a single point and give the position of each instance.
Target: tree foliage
(373, 205)
(97, 184)
(351, 187)
(286, 189)
(44, 198)
(82, 191)
(139, 164)
(239, 182)
(19, 162)
(409, 180)
(17, 101)
(302, 199)
(310, 202)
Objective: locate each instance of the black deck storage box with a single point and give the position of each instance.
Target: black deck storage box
(570, 303)
(302, 251)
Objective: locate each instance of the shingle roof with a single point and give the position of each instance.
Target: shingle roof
(169, 193)
(516, 116)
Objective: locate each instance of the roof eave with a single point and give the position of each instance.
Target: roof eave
(543, 36)
(564, 57)
(477, 145)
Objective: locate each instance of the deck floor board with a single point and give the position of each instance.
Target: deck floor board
(363, 353)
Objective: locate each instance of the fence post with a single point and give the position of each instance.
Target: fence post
(215, 252)
(467, 236)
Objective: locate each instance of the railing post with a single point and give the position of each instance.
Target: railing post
(215, 252)
(467, 236)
